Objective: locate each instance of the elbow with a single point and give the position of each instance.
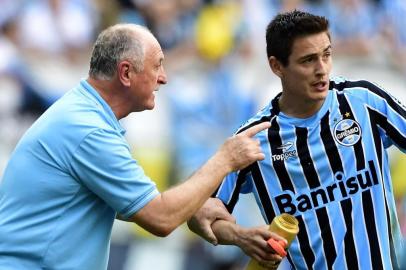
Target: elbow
(163, 230)
(157, 218)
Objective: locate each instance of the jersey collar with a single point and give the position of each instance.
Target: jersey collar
(301, 122)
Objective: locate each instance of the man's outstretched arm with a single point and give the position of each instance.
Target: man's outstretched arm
(171, 208)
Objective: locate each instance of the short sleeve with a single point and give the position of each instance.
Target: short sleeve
(103, 163)
(389, 114)
(231, 187)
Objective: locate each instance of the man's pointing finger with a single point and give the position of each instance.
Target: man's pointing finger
(255, 129)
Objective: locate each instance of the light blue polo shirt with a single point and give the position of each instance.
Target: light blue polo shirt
(68, 177)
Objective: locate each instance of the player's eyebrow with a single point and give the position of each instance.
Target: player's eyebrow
(307, 56)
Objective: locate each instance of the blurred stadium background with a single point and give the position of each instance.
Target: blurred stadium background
(218, 77)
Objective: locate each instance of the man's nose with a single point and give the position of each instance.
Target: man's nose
(162, 78)
(322, 67)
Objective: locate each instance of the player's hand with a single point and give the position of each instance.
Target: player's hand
(242, 149)
(253, 241)
(212, 210)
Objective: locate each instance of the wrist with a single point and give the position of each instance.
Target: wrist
(222, 163)
(238, 235)
(226, 232)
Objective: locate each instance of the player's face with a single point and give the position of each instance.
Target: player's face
(146, 82)
(306, 77)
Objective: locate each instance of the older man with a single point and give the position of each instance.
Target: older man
(72, 172)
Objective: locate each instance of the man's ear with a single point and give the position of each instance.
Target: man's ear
(276, 66)
(123, 73)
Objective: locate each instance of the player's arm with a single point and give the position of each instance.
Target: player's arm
(171, 208)
(212, 210)
(253, 241)
(215, 224)
(388, 113)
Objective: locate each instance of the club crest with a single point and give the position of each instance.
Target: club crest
(347, 132)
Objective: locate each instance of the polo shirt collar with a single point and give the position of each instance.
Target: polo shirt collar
(107, 109)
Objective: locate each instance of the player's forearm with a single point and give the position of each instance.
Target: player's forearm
(227, 233)
(212, 210)
(253, 241)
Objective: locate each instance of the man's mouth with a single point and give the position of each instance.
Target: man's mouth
(320, 85)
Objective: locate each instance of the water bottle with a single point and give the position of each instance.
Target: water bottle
(286, 226)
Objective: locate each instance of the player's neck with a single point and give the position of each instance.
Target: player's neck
(299, 108)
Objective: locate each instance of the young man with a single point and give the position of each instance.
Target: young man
(72, 172)
(326, 160)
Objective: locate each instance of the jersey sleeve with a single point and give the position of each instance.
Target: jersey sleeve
(390, 115)
(231, 187)
(103, 163)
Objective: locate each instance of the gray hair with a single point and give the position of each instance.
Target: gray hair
(114, 44)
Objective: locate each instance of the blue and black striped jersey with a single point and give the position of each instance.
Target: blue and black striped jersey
(331, 171)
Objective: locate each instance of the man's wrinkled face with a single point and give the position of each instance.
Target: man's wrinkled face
(146, 82)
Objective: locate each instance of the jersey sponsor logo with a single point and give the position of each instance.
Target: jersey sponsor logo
(347, 132)
(341, 189)
(287, 153)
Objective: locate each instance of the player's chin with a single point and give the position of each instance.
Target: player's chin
(320, 95)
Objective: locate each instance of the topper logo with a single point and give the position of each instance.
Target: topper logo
(286, 152)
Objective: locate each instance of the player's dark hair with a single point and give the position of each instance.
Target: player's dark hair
(282, 31)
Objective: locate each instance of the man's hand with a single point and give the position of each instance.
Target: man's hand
(253, 241)
(201, 222)
(241, 150)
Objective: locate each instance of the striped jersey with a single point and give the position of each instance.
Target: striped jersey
(331, 171)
